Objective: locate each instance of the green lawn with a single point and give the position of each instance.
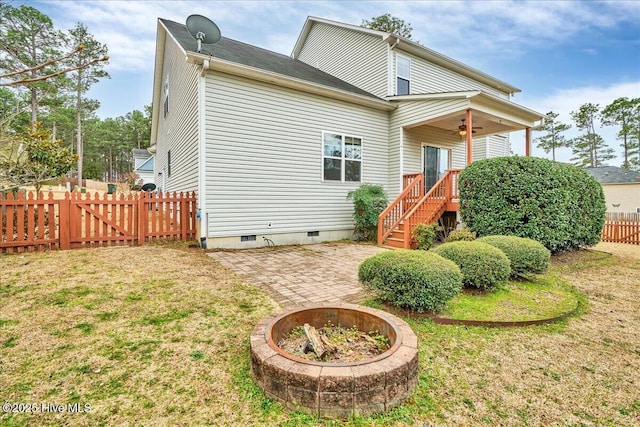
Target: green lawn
(542, 297)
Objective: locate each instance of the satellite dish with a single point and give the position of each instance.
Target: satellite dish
(203, 30)
(149, 186)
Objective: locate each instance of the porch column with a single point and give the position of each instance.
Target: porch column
(469, 137)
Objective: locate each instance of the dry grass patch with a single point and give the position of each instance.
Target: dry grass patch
(144, 333)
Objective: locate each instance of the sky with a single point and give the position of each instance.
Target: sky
(561, 54)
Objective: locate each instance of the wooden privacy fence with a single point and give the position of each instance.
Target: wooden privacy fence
(622, 227)
(82, 220)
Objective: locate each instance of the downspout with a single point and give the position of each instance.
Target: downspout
(390, 89)
(390, 70)
(401, 157)
(202, 156)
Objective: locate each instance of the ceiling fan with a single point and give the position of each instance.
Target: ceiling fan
(462, 129)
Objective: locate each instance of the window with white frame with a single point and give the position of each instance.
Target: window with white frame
(403, 75)
(341, 157)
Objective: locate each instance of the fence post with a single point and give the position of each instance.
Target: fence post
(142, 218)
(184, 210)
(64, 222)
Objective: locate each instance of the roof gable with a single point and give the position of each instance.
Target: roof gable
(147, 165)
(409, 46)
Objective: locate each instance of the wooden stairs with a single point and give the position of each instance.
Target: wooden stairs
(413, 207)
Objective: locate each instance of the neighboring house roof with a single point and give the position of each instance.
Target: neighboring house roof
(256, 57)
(614, 175)
(409, 46)
(147, 165)
(141, 153)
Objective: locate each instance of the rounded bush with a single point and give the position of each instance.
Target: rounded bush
(525, 255)
(425, 235)
(417, 280)
(482, 265)
(462, 234)
(559, 205)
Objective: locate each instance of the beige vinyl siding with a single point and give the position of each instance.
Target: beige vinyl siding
(498, 146)
(264, 158)
(479, 148)
(355, 57)
(625, 197)
(178, 131)
(427, 77)
(415, 138)
(412, 115)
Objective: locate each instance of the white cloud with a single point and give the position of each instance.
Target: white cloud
(456, 28)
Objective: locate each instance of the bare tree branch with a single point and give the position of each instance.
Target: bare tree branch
(44, 64)
(48, 76)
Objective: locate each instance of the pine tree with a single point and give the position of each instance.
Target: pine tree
(589, 149)
(87, 73)
(624, 113)
(553, 138)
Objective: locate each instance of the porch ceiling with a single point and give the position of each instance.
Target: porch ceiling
(491, 113)
(490, 123)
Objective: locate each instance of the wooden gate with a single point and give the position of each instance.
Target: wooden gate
(79, 220)
(94, 222)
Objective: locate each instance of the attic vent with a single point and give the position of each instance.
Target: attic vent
(313, 233)
(249, 238)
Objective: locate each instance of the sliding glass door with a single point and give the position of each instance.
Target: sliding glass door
(435, 162)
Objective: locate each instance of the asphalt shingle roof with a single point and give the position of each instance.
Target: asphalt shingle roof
(613, 175)
(256, 57)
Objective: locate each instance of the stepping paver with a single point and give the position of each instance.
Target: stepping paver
(325, 272)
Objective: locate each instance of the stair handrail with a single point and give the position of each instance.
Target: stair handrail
(437, 187)
(384, 233)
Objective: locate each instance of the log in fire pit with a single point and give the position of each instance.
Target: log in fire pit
(335, 390)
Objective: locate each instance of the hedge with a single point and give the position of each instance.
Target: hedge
(556, 204)
(462, 234)
(525, 255)
(417, 280)
(482, 265)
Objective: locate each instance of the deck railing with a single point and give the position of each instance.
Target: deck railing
(389, 219)
(413, 207)
(429, 208)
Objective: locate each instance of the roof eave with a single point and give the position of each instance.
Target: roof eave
(216, 64)
(416, 49)
(528, 113)
(162, 33)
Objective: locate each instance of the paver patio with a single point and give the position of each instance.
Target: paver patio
(326, 272)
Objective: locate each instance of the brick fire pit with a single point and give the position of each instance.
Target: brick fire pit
(335, 390)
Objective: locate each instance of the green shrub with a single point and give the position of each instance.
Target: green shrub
(525, 255)
(462, 234)
(369, 200)
(556, 204)
(482, 265)
(425, 235)
(416, 280)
